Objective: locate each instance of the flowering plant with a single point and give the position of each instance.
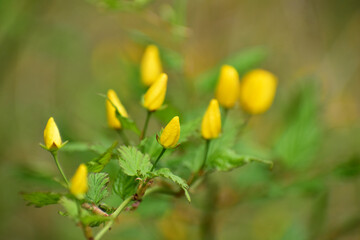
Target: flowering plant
(140, 171)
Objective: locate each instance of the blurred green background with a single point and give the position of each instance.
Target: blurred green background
(56, 56)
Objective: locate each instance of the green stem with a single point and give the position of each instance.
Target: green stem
(143, 133)
(158, 189)
(123, 137)
(158, 158)
(86, 229)
(242, 127)
(207, 144)
(55, 156)
(224, 117)
(208, 226)
(112, 218)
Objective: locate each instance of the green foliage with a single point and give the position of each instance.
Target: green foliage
(349, 168)
(227, 159)
(193, 157)
(70, 206)
(133, 162)
(150, 146)
(125, 185)
(76, 147)
(127, 123)
(166, 173)
(98, 164)
(93, 220)
(97, 187)
(299, 142)
(189, 129)
(40, 199)
(75, 212)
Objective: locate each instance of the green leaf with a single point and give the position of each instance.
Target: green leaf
(127, 123)
(133, 162)
(72, 210)
(40, 199)
(98, 164)
(125, 185)
(166, 173)
(97, 187)
(76, 147)
(93, 220)
(193, 157)
(150, 146)
(189, 129)
(70, 207)
(227, 160)
(300, 140)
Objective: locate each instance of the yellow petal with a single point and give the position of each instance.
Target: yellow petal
(155, 95)
(257, 91)
(113, 122)
(150, 66)
(171, 133)
(52, 137)
(79, 182)
(211, 122)
(227, 90)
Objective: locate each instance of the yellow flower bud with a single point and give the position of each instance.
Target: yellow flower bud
(79, 182)
(257, 91)
(113, 122)
(211, 122)
(52, 137)
(150, 66)
(227, 90)
(171, 134)
(155, 95)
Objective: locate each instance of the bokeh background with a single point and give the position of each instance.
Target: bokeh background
(56, 56)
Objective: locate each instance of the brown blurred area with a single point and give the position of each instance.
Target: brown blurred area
(56, 56)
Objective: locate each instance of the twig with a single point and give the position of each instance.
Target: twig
(113, 216)
(95, 209)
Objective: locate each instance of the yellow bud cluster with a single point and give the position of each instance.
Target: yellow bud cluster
(256, 92)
